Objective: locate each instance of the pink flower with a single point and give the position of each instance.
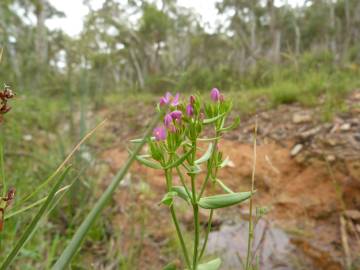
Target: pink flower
(176, 115)
(168, 120)
(215, 94)
(160, 133)
(192, 100)
(189, 110)
(168, 99)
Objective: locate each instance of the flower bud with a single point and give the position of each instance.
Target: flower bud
(190, 110)
(215, 94)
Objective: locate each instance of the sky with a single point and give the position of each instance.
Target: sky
(75, 11)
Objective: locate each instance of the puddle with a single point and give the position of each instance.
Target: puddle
(272, 246)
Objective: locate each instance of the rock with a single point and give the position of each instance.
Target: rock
(345, 127)
(296, 149)
(330, 158)
(352, 214)
(309, 133)
(301, 117)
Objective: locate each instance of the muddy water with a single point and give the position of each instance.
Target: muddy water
(271, 245)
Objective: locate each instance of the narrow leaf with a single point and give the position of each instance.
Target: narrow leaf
(212, 265)
(225, 162)
(179, 160)
(213, 119)
(206, 156)
(170, 266)
(232, 126)
(181, 192)
(141, 140)
(148, 163)
(223, 186)
(223, 200)
(169, 198)
(193, 170)
(208, 139)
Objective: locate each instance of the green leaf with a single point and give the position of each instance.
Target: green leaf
(179, 160)
(206, 156)
(223, 186)
(170, 266)
(225, 162)
(208, 139)
(141, 140)
(213, 119)
(212, 265)
(223, 200)
(193, 170)
(169, 198)
(181, 192)
(232, 126)
(148, 163)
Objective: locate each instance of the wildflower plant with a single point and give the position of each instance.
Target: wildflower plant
(177, 149)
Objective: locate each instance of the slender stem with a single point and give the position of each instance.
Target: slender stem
(209, 165)
(183, 182)
(179, 234)
(251, 230)
(206, 234)
(197, 235)
(168, 176)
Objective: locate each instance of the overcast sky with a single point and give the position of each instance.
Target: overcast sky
(75, 12)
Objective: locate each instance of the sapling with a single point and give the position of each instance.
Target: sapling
(177, 149)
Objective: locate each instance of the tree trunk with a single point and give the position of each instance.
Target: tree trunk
(41, 35)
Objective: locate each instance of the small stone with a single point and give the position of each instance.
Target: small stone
(296, 149)
(352, 214)
(330, 158)
(311, 132)
(301, 117)
(27, 137)
(345, 127)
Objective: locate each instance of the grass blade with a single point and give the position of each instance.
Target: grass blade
(81, 232)
(32, 226)
(62, 165)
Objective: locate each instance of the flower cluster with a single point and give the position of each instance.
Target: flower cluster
(5, 95)
(179, 112)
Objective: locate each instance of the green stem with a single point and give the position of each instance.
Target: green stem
(183, 182)
(168, 176)
(179, 234)
(197, 234)
(251, 229)
(195, 210)
(206, 234)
